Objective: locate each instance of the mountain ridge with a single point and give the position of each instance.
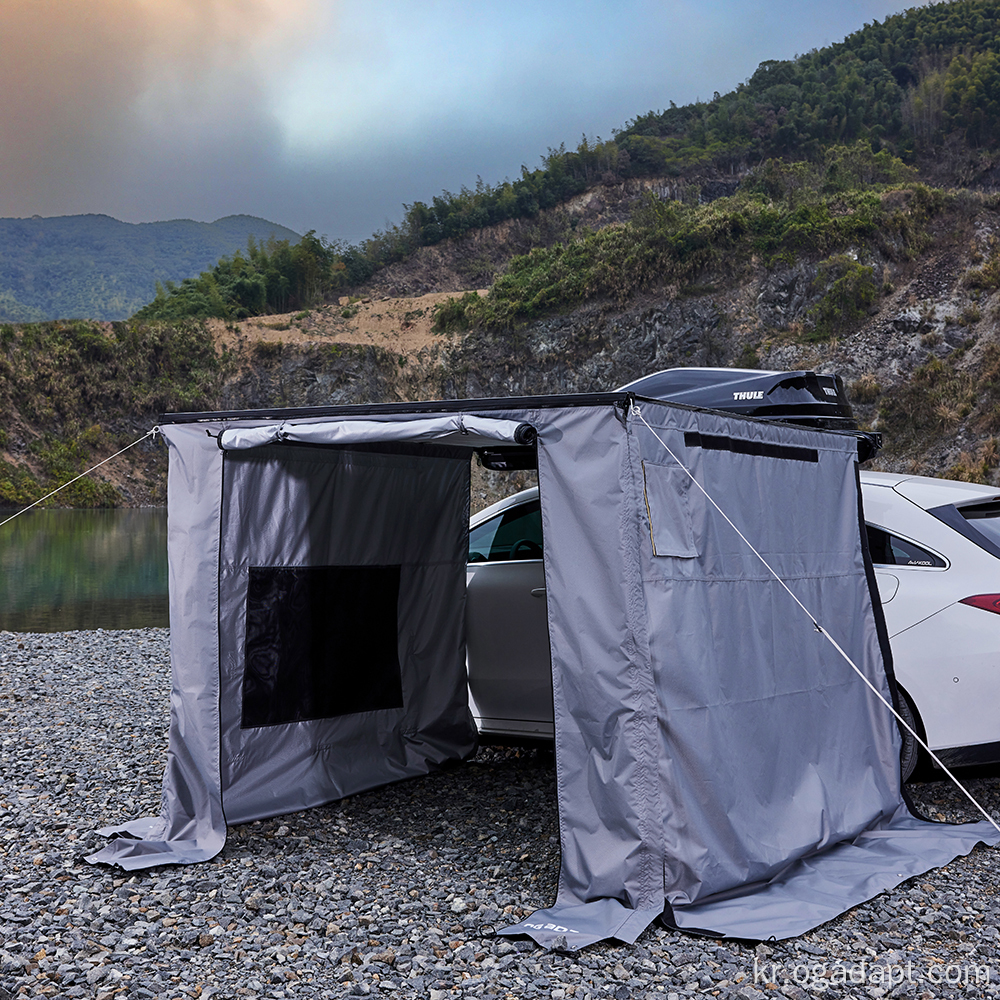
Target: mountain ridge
(94, 266)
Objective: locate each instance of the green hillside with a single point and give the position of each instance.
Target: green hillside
(923, 84)
(95, 267)
(914, 97)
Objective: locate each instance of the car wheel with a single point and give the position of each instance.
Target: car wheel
(911, 756)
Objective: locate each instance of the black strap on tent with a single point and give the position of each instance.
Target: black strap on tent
(743, 446)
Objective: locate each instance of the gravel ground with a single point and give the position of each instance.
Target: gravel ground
(393, 893)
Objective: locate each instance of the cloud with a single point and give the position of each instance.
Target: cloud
(330, 114)
(87, 85)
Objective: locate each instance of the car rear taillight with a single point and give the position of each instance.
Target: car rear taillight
(988, 602)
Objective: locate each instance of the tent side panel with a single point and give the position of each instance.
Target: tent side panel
(779, 763)
(342, 625)
(811, 756)
(604, 701)
(714, 751)
(191, 826)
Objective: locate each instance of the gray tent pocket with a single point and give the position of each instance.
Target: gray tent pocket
(668, 507)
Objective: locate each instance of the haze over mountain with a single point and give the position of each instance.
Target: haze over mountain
(95, 267)
(330, 115)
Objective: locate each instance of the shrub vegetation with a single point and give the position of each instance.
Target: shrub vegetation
(275, 276)
(72, 392)
(787, 213)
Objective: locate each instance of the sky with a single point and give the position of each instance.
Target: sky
(330, 115)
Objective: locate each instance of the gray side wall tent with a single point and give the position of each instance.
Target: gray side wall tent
(718, 762)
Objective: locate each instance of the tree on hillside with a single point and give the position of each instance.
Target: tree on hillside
(272, 276)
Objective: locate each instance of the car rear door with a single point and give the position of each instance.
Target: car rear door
(510, 676)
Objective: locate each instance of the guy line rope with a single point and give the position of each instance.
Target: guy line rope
(150, 433)
(816, 625)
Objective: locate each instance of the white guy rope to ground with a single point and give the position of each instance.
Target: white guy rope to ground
(151, 433)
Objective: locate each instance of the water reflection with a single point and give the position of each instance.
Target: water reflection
(62, 570)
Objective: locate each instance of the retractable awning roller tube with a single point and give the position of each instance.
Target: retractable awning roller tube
(464, 429)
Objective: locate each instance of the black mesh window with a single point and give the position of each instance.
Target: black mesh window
(321, 641)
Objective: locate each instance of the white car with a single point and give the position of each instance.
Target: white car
(935, 545)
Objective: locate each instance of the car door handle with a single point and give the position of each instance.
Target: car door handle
(538, 592)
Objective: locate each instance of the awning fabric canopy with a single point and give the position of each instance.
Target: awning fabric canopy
(718, 763)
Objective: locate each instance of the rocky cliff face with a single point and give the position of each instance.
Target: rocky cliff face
(916, 342)
(917, 346)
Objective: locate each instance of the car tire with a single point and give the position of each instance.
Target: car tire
(912, 762)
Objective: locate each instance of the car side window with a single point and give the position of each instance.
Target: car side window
(890, 550)
(986, 517)
(514, 534)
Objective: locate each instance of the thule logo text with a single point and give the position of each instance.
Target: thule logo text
(749, 395)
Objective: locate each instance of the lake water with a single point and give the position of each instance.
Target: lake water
(63, 570)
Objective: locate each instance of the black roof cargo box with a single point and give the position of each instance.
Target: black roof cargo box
(803, 397)
(794, 397)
